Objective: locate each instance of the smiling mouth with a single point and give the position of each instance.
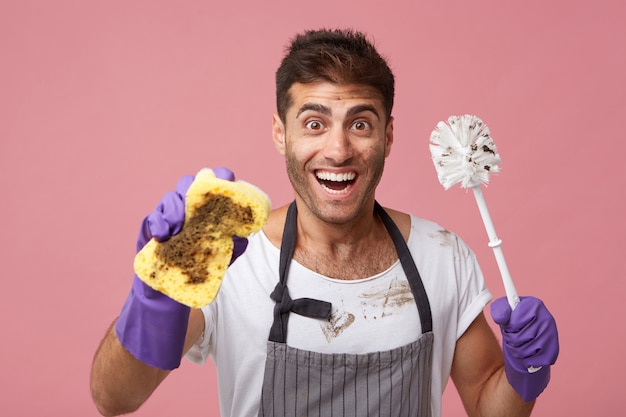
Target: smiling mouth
(335, 183)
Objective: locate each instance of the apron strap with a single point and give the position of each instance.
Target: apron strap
(307, 307)
(410, 270)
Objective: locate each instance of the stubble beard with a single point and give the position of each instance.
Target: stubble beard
(333, 212)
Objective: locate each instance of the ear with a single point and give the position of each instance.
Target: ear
(388, 137)
(278, 133)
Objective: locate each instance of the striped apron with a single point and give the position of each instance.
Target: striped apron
(297, 382)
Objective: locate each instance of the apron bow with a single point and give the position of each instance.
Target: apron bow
(307, 307)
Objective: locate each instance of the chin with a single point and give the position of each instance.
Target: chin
(338, 211)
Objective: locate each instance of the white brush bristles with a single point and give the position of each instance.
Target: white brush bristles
(463, 151)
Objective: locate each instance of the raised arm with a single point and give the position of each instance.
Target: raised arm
(148, 339)
(153, 331)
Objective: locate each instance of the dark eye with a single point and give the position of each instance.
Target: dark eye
(314, 125)
(361, 125)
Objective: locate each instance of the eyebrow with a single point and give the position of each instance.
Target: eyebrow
(320, 108)
(363, 108)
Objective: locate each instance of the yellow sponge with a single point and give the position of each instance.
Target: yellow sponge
(189, 266)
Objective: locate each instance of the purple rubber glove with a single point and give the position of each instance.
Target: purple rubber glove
(152, 326)
(529, 340)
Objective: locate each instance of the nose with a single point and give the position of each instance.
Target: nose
(338, 147)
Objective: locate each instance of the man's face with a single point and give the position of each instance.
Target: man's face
(335, 140)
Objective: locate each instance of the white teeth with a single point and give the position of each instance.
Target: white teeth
(331, 176)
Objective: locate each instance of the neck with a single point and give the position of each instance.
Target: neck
(355, 249)
(313, 230)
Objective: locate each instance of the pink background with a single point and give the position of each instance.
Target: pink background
(105, 104)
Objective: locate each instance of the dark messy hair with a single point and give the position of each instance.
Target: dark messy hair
(337, 56)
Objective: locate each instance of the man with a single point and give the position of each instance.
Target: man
(338, 307)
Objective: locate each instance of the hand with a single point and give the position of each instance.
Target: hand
(168, 217)
(529, 341)
(152, 326)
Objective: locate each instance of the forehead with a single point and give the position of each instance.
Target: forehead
(333, 96)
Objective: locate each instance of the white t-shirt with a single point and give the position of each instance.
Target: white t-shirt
(372, 314)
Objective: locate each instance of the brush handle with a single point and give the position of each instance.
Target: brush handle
(495, 243)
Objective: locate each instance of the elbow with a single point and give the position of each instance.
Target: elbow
(109, 406)
(104, 410)
(107, 409)
(102, 405)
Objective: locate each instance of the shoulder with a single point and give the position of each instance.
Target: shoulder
(273, 229)
(402, 220)
(428, 235)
